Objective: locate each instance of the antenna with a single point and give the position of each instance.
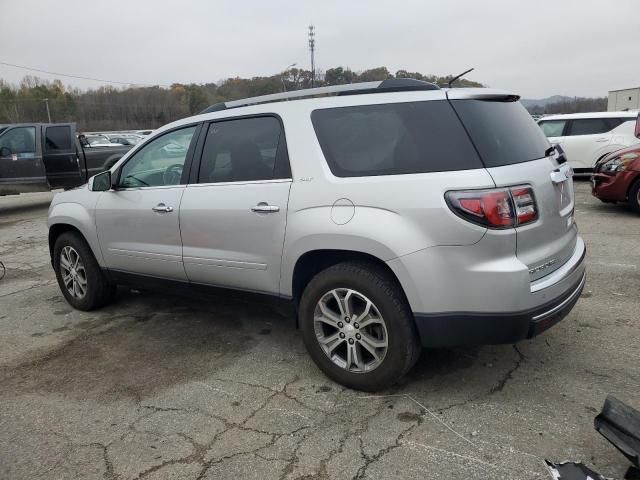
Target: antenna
(458, 77)
(312, 49)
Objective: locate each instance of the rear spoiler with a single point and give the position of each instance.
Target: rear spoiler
(486, 94)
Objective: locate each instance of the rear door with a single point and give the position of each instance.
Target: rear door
(60, 156)
(587, 139)
(513, 150)
(233, 215)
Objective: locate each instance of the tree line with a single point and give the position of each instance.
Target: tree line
(574, 105)
(110, 108)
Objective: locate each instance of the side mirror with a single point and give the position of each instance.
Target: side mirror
(5, 152)
(100, 182)
(83, 141)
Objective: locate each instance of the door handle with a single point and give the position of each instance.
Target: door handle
(264, 207)
(162, 208)
(601, 140)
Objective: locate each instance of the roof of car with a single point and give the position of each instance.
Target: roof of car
(309, 100)
(572, 116)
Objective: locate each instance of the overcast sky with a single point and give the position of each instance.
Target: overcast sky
(536, 48)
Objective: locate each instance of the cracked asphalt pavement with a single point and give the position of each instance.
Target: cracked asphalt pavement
(161, 387)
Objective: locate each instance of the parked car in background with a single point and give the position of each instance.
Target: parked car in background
(38, 157)
(124, 138)
(589, 137)
(98, 140)
(616, 177)
(394, 215)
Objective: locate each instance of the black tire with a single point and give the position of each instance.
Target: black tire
(377, 285)
(99, 291)
(634, 196)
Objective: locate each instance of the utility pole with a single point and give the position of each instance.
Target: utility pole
(312, 48)
(46, 101)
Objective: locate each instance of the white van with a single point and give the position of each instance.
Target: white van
(587, 137)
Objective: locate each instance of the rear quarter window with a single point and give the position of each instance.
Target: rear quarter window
(393, 139)
(503, 131)
(591, 126)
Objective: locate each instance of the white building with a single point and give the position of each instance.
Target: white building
(627, 99)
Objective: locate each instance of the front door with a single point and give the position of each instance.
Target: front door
(138, 220)
(60, 156)
(233, 219)
(21, 167)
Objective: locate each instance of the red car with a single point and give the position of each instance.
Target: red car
(616, 177)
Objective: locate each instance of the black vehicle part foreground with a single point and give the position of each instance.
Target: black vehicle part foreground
(572, 471)
(620, 425)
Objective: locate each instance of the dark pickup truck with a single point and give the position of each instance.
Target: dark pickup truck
(38, 157)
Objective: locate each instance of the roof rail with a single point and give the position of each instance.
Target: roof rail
(390, 85)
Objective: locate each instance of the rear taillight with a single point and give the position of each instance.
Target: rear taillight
(638, 126)
(496, 207)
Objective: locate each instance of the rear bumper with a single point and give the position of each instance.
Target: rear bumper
(468, 329)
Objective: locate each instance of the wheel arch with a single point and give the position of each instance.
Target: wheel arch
(314, 261)
(65, 217)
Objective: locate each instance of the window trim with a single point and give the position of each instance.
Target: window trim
(197, 162)
(188, 161)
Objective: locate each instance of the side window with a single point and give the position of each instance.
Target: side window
(589, 126)
(393, 139)
(20, 141)
(241, 150)
(552, 128)
(616, 122)
(57, 138)
(158, 163)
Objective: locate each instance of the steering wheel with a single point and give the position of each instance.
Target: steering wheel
(173, 174)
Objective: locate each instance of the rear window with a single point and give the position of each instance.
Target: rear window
(503, 132)
(393, 139)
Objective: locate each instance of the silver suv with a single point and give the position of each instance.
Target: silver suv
(393, 215)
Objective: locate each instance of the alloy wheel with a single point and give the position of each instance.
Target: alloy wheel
(74, 275)
(350, 330)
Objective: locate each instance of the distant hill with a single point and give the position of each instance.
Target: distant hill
(564, 104)
(543, 102)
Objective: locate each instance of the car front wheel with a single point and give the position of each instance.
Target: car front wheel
(79, 276)
(357, 326)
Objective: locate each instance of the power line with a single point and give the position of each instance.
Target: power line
(79, 76)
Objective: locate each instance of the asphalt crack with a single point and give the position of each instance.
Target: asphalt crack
(509, 374)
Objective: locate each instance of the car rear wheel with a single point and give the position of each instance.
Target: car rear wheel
(357, 326)
(79, 276)
(634, 196)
